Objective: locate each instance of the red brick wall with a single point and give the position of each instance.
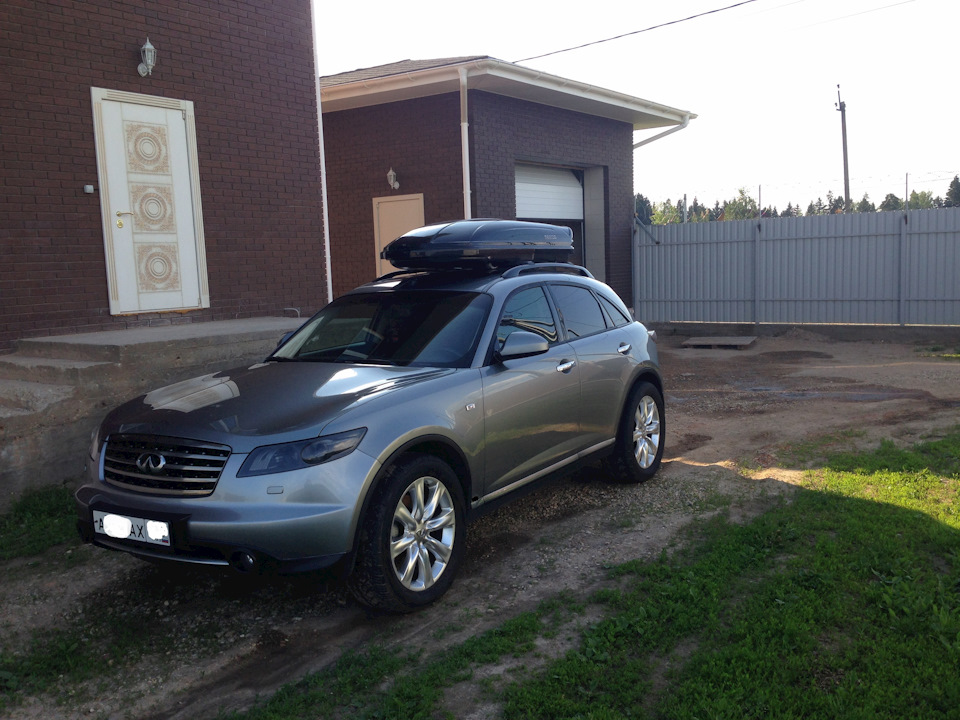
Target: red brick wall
(420, 140)
(504, 131)
(248, 67)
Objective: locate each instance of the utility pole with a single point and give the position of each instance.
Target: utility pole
(842, 107)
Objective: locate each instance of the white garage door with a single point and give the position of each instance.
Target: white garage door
(545, 193)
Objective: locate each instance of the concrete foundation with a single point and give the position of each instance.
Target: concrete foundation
(54, 391)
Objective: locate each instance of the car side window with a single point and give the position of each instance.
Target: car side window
(614, 312)
(527, 310)
(579, 309)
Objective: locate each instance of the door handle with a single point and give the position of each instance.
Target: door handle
(121, 213)
(566, 366)
(624, 348)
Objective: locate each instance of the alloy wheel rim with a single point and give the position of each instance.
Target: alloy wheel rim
(422, 535)
(646, 432)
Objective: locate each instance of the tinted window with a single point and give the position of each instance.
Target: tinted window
(423, 328)
(614, 312)
(527, 310)
(578, 307)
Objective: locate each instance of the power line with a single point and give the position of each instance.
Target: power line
(637, 32)
(857, 14)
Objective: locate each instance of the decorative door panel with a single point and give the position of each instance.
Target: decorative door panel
(150, 202)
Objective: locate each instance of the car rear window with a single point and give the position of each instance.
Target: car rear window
(579, 309)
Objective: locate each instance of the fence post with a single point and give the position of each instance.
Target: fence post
(902, 261)
(756, 274)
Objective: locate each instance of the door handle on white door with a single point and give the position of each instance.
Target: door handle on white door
(120, 213)
(624, 348)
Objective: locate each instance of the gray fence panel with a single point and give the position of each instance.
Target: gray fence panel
(933, 269)
(865, 268)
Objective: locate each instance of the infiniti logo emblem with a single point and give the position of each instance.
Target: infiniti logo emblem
(151, 463)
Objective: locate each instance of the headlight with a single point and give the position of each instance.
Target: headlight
(270, 459)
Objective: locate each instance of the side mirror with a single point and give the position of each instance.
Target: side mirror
(521, 344)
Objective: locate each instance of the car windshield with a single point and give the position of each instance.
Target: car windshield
(427, 328)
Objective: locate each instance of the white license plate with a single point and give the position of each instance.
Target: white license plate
(124, 527)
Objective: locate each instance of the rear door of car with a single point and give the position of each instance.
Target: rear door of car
(604, 357)
(531, 405)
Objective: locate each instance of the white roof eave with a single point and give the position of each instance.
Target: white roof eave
(507, 79)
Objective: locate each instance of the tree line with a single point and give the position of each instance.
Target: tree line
(745, 207)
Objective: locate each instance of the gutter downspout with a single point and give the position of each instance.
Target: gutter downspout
(465, 144)
(323, 162)
(327, 260)
(681, 126)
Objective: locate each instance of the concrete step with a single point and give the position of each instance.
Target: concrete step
(21, 396)
(186, 343)
(54, 370)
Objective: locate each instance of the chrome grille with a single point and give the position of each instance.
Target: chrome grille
(163, 465)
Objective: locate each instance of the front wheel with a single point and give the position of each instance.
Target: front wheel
(639, 448)
(412, 539)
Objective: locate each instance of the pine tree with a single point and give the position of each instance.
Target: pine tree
(953, 193)
(643, 208)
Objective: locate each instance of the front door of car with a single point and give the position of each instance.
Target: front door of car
(531, 405)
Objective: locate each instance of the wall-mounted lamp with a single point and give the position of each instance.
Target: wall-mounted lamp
(392, 180)
(148, 54)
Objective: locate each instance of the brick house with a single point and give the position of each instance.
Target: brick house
(189, 192)
(479, 137)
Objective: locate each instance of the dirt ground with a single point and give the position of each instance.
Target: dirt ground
(731, 415)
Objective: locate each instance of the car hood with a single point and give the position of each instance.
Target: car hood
(265, 403)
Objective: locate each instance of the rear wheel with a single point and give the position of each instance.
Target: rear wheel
(412, 539)
(639, 447)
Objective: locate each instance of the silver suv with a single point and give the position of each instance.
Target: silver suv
(372, 434)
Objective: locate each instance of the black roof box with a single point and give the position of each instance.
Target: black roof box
(467, 244)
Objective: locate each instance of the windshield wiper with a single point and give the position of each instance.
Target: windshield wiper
(378, 361)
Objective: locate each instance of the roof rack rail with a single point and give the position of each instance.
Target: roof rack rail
(528, 268)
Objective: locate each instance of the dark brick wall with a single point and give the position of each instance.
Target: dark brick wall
(420, 140)
(247, 66)
(504, 131)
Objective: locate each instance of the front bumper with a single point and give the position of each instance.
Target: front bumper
(298, 521)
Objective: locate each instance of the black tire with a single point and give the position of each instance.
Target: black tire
(639, 448)
(412, 538)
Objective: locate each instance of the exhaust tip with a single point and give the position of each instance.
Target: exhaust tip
(243, 561)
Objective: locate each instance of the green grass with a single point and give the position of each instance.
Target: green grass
(391, 684)
(38, 520)
(843, 603)
(940, 351)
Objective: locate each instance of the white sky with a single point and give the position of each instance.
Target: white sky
(762, 79)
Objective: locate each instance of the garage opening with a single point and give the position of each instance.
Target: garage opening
(553, 195)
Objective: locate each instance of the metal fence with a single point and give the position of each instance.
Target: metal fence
(888, 268)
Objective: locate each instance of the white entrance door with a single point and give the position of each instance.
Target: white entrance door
(392, 217)
(150, 202)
